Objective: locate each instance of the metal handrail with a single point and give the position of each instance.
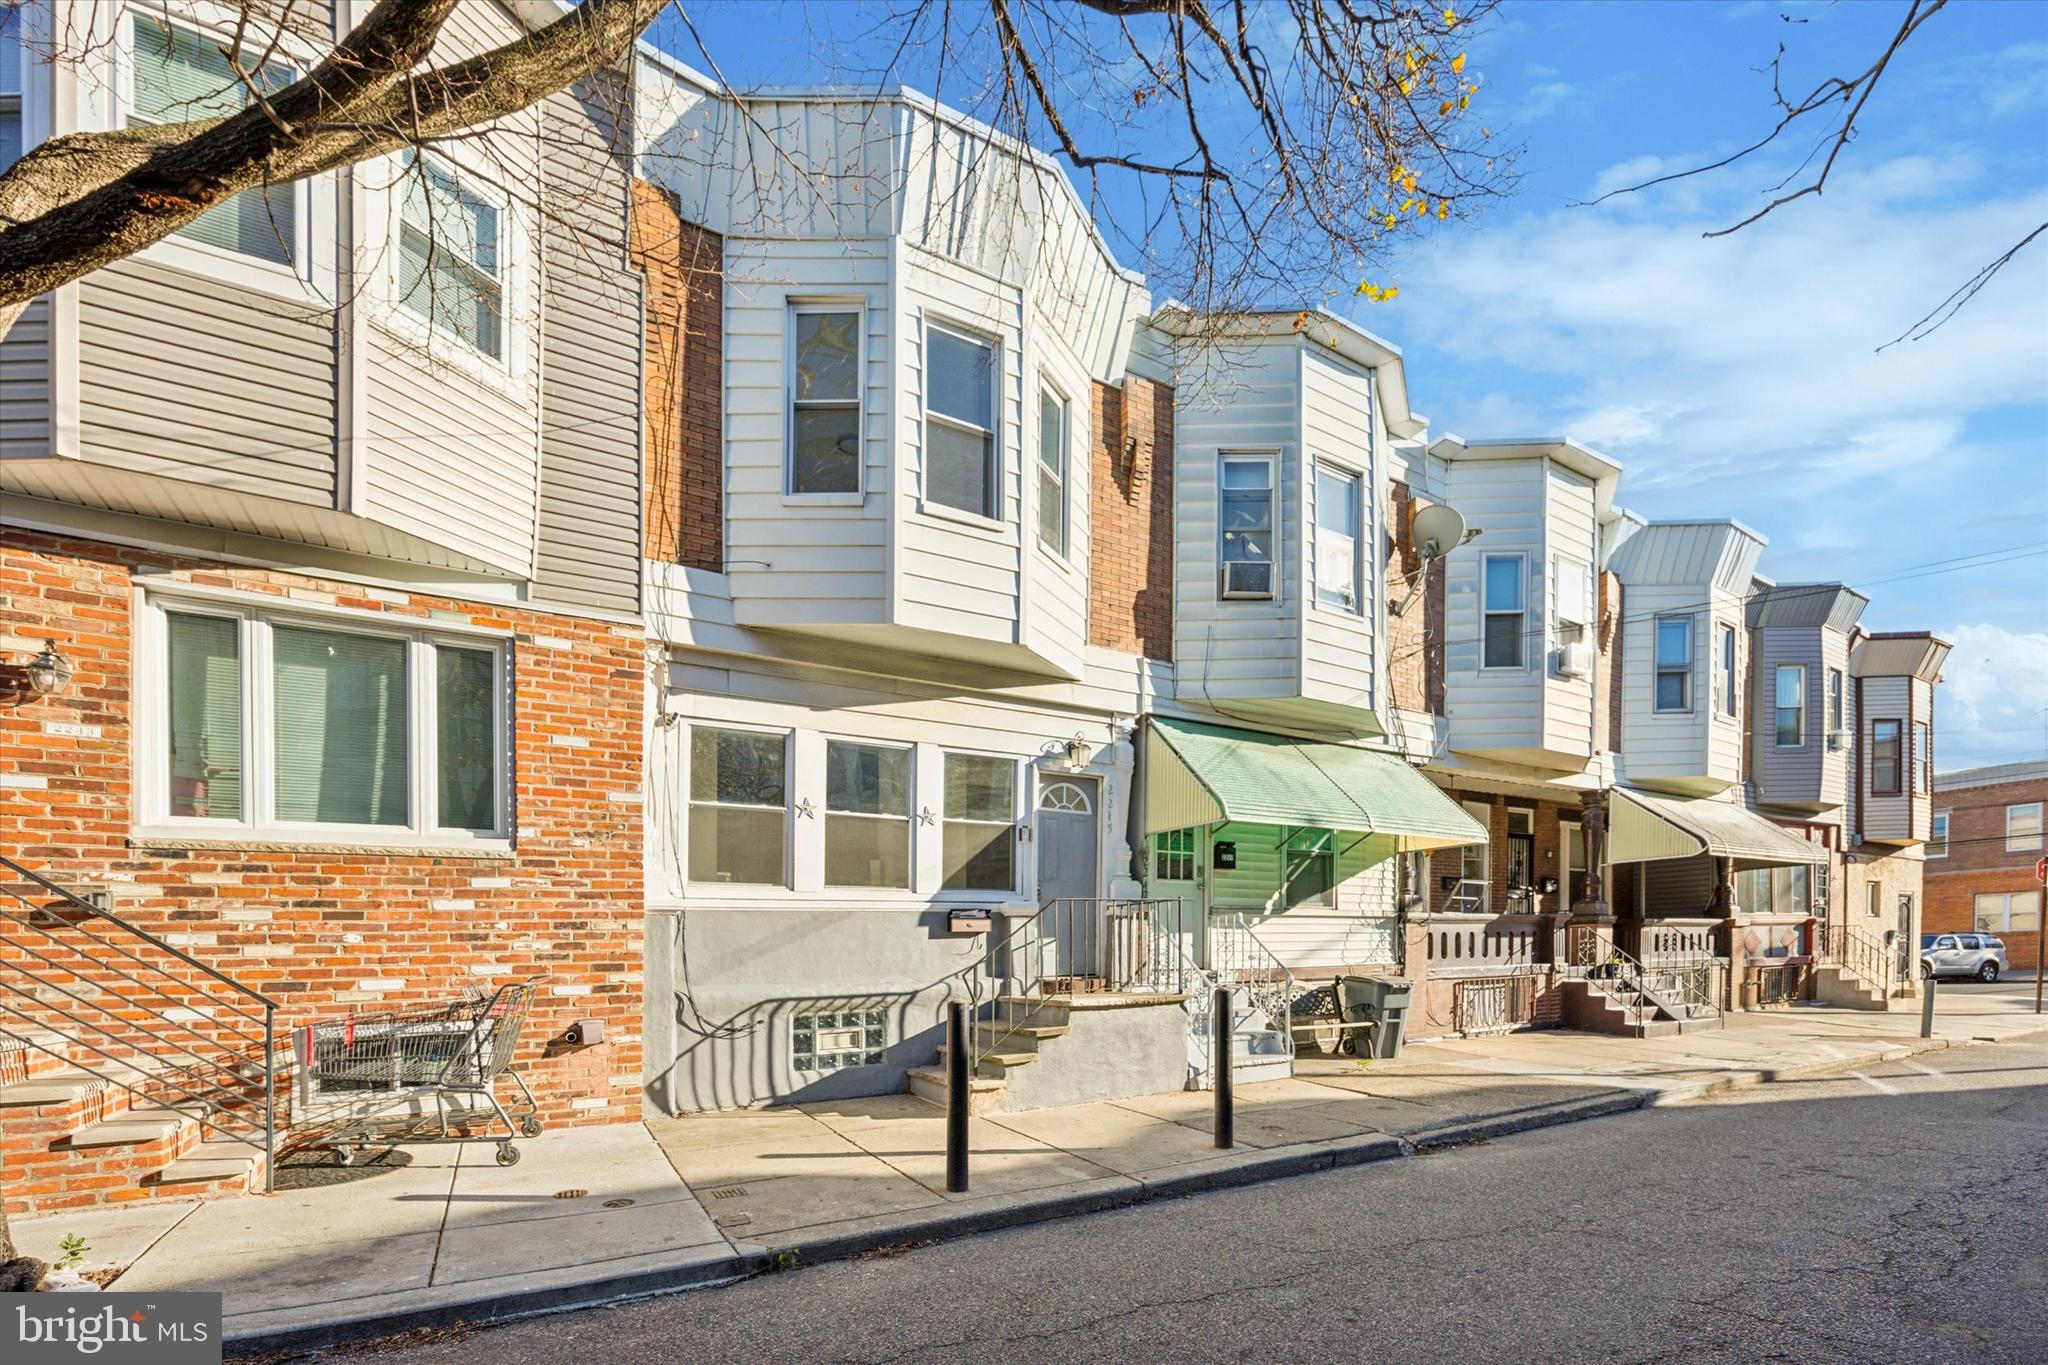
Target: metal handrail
(1859, 953)
(1114, 941)
(1673, 983)
(1261, 973)
(166, 1073)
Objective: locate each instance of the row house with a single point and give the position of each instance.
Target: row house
(322, 664)
(1984, 857)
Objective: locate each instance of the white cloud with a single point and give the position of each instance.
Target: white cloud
(1992, 705)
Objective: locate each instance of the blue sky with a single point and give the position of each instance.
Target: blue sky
(1737, 376)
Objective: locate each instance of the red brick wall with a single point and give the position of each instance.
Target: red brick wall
(1415, 638)
(328, 931)
(1977, 862)
(683, 475)
(1130, 590)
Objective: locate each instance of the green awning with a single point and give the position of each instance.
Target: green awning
(1699, 824)
(1199, 774)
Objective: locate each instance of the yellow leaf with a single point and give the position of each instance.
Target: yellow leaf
(1445, 107)
(1390, 293)
(1407, 87)
(1464, 102)
(1410, 59)
(1408, 181)
(1458, 64)
(1443, 210)
(1450, 18)
(1391, 220)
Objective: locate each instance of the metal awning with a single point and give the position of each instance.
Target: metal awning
(1646, 827)
(1200, 774)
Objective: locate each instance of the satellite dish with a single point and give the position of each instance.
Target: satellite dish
(1438, 529)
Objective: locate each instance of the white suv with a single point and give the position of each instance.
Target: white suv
(1978, 955)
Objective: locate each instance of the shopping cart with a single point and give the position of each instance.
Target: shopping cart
(371, 1073)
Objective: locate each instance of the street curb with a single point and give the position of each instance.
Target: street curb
(490, 1309)
(1524, 1120)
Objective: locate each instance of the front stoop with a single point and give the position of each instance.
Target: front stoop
(1588, 1007)
(1069, 1049)
(1834, 984)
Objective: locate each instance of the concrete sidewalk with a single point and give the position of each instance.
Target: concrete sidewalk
(443, 1234)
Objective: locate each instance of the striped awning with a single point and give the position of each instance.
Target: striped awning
(1200, 774)
(1648, 827)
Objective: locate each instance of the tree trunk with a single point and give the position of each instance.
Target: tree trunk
(18, 1274)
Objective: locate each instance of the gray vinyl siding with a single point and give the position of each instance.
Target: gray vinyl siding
(1789, 776)
(25, 406)
(1496, 709)
(194, 378)
(587, 546)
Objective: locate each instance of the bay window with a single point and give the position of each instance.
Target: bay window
(1505, 610)
(961, 468)
(1923, 758)
(867, 815)
(1790, 703)
(1834, 700)
(739, 809)
(1885, 765)
(979, 833)
(451, 255)
(1246, 516)
(1052, 472)
(269, 725)
(1339, 564)
(1730, 698)
(1674, 663)
(1574, 602)
(824, 400)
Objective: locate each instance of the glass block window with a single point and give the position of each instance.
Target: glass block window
(833, 1040)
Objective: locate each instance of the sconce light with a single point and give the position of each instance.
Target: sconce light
(49, 673)
(1079, 752)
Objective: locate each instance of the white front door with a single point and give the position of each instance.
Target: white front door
(1069, 838)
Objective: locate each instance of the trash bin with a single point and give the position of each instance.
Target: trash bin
(1378, 1007)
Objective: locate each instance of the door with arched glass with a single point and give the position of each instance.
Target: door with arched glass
(1069, 838)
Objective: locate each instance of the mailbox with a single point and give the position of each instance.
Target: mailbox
(971, 921)
(1224, 856)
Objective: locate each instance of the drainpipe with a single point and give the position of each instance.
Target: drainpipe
(1731, 930)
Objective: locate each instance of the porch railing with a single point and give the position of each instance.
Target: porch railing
(1075, 944)
(1487, 944)
(137, 1013)
(1240, 959)
(1655, 939)
(1676, 986)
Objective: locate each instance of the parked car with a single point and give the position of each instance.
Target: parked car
(1978, 955)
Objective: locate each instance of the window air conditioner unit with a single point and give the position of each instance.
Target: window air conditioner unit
(1838, 740)
(1575, 660)
(1247, 578)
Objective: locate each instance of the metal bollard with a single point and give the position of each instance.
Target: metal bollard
(959, 1058)
(1226, 1113)
(1927, 1008)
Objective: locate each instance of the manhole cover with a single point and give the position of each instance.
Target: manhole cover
(570, 1194)
(618, 1203)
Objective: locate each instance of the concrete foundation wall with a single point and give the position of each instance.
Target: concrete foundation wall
(1112, 1054)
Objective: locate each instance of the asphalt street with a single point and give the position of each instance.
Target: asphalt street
(1895, 1214)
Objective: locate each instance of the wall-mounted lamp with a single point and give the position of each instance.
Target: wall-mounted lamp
(49, 673)
(1079, 753)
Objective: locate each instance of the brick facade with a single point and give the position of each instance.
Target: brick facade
(682, 482)
(1415, 637)
(1130, 582)
(329, 930)
(1979, 863)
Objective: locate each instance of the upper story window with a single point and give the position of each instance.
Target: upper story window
(1574, 602)
(1674, 663)
(2023, 828)
(451, 256)
(739, 806)
(1247, 516)
(1790, 703)
(961, 468)
(1730, 698)
(980, 825)
(1886, 769)
(867, 814)
(1052, 472)
(176, 74)
(1937, 837)
(1505, 608)
(10, 87)
(288, 727)
(1923, 758)
(1339, 562)
(824, 400)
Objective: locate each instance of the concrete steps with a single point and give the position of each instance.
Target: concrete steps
(1834, 984)
(1039, 1051)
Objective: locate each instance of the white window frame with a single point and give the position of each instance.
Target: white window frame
(797, 308)
(1923, 758)
(1520, 613)
(502, 372)
(1937, 836)
(309, 275)
(2025, 842)
(1729, 665)
(1837, 713)
(1482, 854)
(789, 800)
(1353, 596)
(256, 615)
(1271, 460)
(1574, 617)
(992, 516)
(1021, 801)
(1658, 668)
(1061, 472)
(1777, 705)
(827, 814)
(2025, 903)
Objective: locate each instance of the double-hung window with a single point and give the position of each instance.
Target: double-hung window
(739, 806)
(178, 74)
(278, 726)
(1574, 602)
(10, 87)
(1674, 663)
(1308, 868)
(1790, 704)
(1052, 472)
(1247, 517)
(961, 469)
(1937, 836)
(867, 815)
(1885, 765)
(2023, 828)
(1505, 607)
(1834, 700)
(980, 826)
(824, 399)
(451, 254)
(1339, 564)
(2007, 912)
(1923, 758)
(1730, 699)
